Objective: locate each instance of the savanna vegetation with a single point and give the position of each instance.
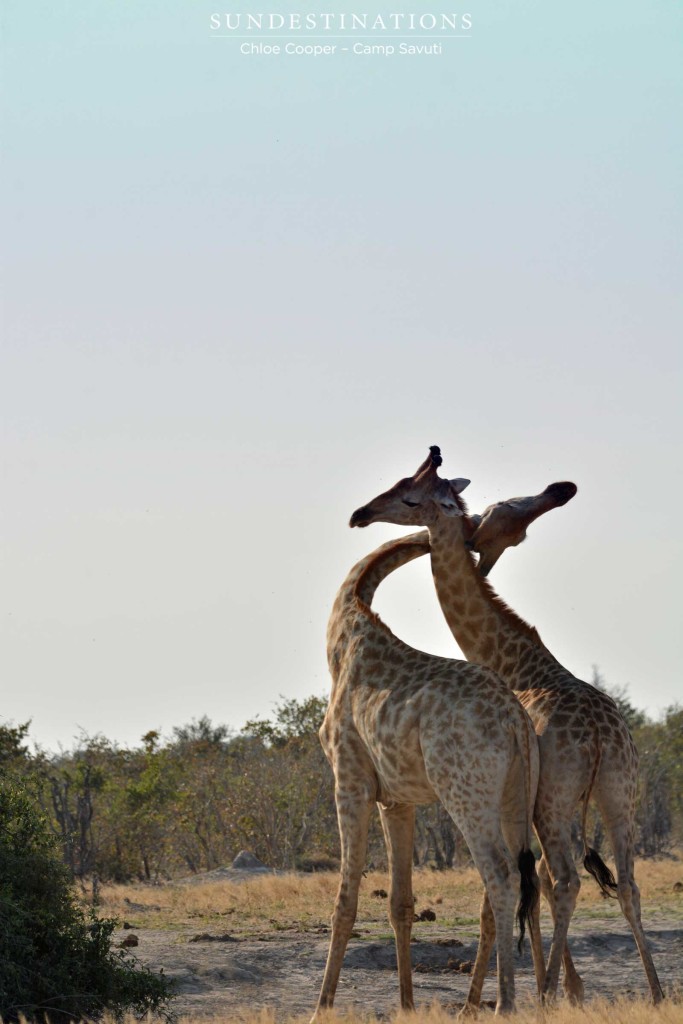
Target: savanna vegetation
(105, 816)
(56, 962)
(289, 902)
(599, 1012)
(187, 803)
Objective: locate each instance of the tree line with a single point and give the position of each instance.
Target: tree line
(189, 802)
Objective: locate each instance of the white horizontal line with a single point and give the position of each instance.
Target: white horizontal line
(261, 36)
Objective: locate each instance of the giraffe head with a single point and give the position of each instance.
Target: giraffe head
(504, 524)
(417, 500)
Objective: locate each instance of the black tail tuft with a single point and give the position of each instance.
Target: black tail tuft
(595, 866)
(528, 892)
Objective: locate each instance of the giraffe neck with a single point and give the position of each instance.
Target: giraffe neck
(352, 605)
(486, 630)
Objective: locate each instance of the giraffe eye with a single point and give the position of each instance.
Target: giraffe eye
(410, 504)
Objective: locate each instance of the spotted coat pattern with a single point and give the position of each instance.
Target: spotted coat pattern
(406, 728)
(584, 743)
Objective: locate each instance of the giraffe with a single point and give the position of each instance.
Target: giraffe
(405, 728)
(504, 524)
(584, 744)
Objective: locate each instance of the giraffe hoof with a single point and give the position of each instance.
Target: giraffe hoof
(468, 1012)
(574, 994)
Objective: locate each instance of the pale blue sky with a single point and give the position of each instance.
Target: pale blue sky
(244, 294)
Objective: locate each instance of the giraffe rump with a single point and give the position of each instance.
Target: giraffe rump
(528, 892)
(595, 866)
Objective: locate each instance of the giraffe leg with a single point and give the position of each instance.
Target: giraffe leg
(573, 985)
(620, 832)
(497, 867)
(537, 947)
(487, 937)
(517, 838)
(561, 884)
(481, 826)
(353, 813)
(398, 823)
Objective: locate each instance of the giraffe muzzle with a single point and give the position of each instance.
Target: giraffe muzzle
(361, 517)
(561, 492)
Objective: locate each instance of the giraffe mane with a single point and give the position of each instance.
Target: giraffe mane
(363, 580)
(374, 618)
(366, 576)
(508, 613)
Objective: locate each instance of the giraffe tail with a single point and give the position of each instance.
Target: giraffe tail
(592, 861)
(526, 862)
(528, 892)
(595, 866)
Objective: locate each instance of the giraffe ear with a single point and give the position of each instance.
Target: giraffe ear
(449, 506)
(459, 484)
(448, 500)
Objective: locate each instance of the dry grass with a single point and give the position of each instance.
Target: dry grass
(655, 878)
(282, 902)
(621, 1011)
(304, 902)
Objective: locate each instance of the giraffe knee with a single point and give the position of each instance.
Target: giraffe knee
(569, 886)
(628, 893)
(545, 880)
(401, 912)
(343, 909)
(346, 904)
(486, 910)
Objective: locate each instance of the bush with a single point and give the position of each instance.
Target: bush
(53, 961)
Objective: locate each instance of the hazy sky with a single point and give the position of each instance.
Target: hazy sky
(243, 294)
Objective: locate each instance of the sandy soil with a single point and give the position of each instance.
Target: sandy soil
(282, 970)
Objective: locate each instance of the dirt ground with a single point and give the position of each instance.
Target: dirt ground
(219, 973)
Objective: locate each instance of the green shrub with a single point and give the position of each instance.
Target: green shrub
(54, 962)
